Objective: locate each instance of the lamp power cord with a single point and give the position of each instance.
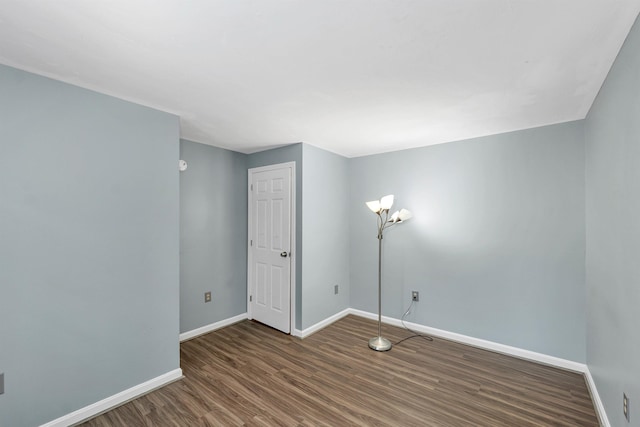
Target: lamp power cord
(416, 334)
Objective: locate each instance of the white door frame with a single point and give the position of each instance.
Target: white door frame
(293, 256)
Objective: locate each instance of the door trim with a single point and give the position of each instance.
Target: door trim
(294, 254)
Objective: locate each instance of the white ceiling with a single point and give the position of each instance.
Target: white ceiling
(354, 77)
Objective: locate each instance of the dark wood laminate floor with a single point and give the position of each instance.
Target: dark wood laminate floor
(249, 374)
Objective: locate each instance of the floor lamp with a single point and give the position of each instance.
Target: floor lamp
(381, 208)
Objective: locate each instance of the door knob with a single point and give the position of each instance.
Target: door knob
(283, 254)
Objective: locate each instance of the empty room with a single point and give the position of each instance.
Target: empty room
(319, 213)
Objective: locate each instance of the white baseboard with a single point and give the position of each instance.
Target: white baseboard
(136, 391)
(504, 349)
(597, 402)
(212, 327)
(452, 336)
(480, 343)
(111, 402)
(322, 324)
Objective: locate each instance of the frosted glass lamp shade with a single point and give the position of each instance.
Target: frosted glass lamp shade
(386, 202)
(404, 215)
(374, 205)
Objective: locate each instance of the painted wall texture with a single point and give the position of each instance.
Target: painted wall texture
(496, 245)
(325, 235)
(89, 247)
(612, 132)
(213, 235)
(213, 200)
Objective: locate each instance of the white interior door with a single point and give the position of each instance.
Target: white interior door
(270, 246)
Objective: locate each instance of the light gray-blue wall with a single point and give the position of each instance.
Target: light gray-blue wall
(496, 246)
(89, 247)
(289, 153)
(217, 177)
(612, 133)
(213, 235)
(325, 234)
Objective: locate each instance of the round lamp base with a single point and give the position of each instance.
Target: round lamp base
(379, 344)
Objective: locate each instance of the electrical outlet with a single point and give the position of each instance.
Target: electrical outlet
(415, 296)
(2, 383)
(335, 289)
(625, 406)
(207, 296)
